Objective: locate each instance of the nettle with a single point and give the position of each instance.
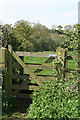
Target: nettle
(58, 99)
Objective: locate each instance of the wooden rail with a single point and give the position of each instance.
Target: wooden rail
(36, 54)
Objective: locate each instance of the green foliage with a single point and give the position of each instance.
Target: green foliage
(24, 36)
(8, 36)
(18, 35)
(9, 103)
(23, 32)
(38, 37)
(58, 99)
(72, 38)
(41, 38)
(56, 40)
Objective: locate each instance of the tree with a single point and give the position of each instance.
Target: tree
(5, 36)
(23, 32)
(68, 27)
(8, 37)
(41, 37)
(59, 27)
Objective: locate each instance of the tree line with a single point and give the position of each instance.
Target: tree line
(26, 36)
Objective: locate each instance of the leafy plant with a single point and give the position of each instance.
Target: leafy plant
(58, 99)
(9, 103)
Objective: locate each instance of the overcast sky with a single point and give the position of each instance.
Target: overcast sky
(47, 12)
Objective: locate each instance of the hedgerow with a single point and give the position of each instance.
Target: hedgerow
(57, 99)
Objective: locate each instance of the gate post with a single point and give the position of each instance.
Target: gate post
(9, 90)
(66, 64)
(63, 63)
(3, 52)
(60, 65)
(4, 65)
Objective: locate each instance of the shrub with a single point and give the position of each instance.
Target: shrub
(58, 99)
(9, 103)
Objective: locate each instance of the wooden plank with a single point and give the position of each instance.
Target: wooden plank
(44, 66)
(26, 87)
(47, 78)
(37, 71)
(20, 95)
(36, 54)
(26, 68)
(47, 66)
(17, 76)
(9, 90)
(49, 60)
(21, 69)
(16, 91)
(25, 82)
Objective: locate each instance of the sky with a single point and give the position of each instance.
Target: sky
(46, 12)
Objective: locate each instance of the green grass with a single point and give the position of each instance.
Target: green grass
(72, 64)
(38, 60)
(35, 60)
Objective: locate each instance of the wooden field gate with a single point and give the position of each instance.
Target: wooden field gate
(17, 83)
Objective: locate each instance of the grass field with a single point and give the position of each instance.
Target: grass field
(72, 64)
(39, 60)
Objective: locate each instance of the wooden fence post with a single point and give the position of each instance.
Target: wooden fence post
(4, 66)
(3, 57)
(60, 65)
(66, 64)
(9, 89)
(63, 62)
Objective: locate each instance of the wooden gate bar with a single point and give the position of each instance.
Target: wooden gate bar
(26, 68)
(36, 54)
(28, 87)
